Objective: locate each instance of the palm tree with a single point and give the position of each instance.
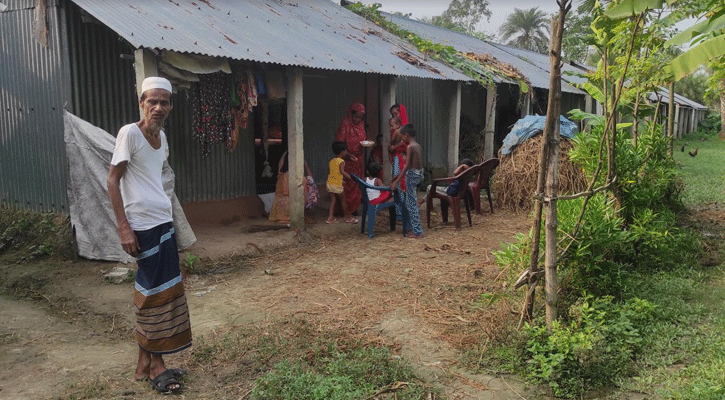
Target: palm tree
(526, 29)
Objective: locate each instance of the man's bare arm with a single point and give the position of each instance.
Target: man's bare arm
(128, 237)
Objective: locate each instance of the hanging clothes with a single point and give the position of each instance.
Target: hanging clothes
(210, 103)
(243, 100)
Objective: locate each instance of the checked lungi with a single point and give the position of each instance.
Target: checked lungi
(162, 315)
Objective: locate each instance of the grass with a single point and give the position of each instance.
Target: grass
(685, 344)
(295, 360)
(704, 175)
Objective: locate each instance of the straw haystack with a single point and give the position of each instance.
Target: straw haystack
(515, 180)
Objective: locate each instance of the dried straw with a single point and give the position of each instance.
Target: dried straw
(514, 183)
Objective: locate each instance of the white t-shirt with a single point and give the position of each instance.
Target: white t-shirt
(372, 193)
(144, 200)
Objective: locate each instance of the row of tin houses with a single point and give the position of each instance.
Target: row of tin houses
(306, 62)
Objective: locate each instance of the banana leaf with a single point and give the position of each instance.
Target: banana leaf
(689, 61)
(628, 8)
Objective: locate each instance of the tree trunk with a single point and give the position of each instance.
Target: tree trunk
(671, 117)
(612, 153)
(551, 133)
(635, 120)
(722, 111)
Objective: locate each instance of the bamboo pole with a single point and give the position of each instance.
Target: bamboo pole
(551, 132)
(547, 183)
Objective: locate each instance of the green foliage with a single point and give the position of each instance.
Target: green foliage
(332, 374)
(693, 87)
(716, 80)
(594, 350)
(526, 29)
(643, 235)
(31, 235)
(515, 254)
(446, 54)
(599, 259)
(574, 43)
(463, 15)
(600, 337)
(706, 36)
(192, 263)
(646, 174)
(710, 126)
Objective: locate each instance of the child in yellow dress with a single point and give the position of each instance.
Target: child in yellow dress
(334, 183)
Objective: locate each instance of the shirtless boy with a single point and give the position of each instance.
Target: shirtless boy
(413, 173)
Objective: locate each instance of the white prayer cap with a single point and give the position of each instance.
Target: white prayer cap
(155, 82)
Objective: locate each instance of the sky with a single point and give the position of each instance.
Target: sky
(500, 9)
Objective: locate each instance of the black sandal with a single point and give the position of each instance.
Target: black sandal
(165, 379)
(178, 372)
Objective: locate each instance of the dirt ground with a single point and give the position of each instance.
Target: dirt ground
(423, 295)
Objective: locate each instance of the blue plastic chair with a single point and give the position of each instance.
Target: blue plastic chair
(369, 211)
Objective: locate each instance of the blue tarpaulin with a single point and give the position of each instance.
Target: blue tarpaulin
(532, 125)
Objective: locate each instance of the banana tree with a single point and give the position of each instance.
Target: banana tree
(707, 37)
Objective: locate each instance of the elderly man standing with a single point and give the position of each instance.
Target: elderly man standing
(143, 213)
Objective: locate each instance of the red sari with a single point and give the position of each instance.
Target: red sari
(353, 134)
(403, 115)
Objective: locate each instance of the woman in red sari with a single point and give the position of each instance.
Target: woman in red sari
(352, 132)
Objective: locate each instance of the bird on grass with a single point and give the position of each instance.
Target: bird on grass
(682, 149)
(693, 153)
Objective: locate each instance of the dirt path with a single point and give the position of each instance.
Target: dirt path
(419, 294)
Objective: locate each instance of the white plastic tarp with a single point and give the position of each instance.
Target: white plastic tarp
(89, 150)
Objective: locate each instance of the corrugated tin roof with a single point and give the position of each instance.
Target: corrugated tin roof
(309, 33)
(539, 78)
(679, 99)
(542, 61)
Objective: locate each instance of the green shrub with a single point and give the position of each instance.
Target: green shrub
(647, 176)
(33, 235)
(594, 350)
(708, 127)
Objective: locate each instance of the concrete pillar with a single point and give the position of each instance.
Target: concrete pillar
(676, 129)
(387, 99)
(599, 109)
(454, 127)
(295, 149)
(588, 104)
(526, 106)
(490, 130)
(145, 65)
(693, 124)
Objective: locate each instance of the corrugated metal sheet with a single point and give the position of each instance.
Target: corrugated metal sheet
(327, 97)
(310, 33)
(681, 100)
(14, 5)
(220, 175)
(539, 78)
(103, 84)
(32, 92)
(542, 61)
(426, 112)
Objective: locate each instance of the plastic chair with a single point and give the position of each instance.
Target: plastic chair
(454, 202)
(369, 211)
(483, 182)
